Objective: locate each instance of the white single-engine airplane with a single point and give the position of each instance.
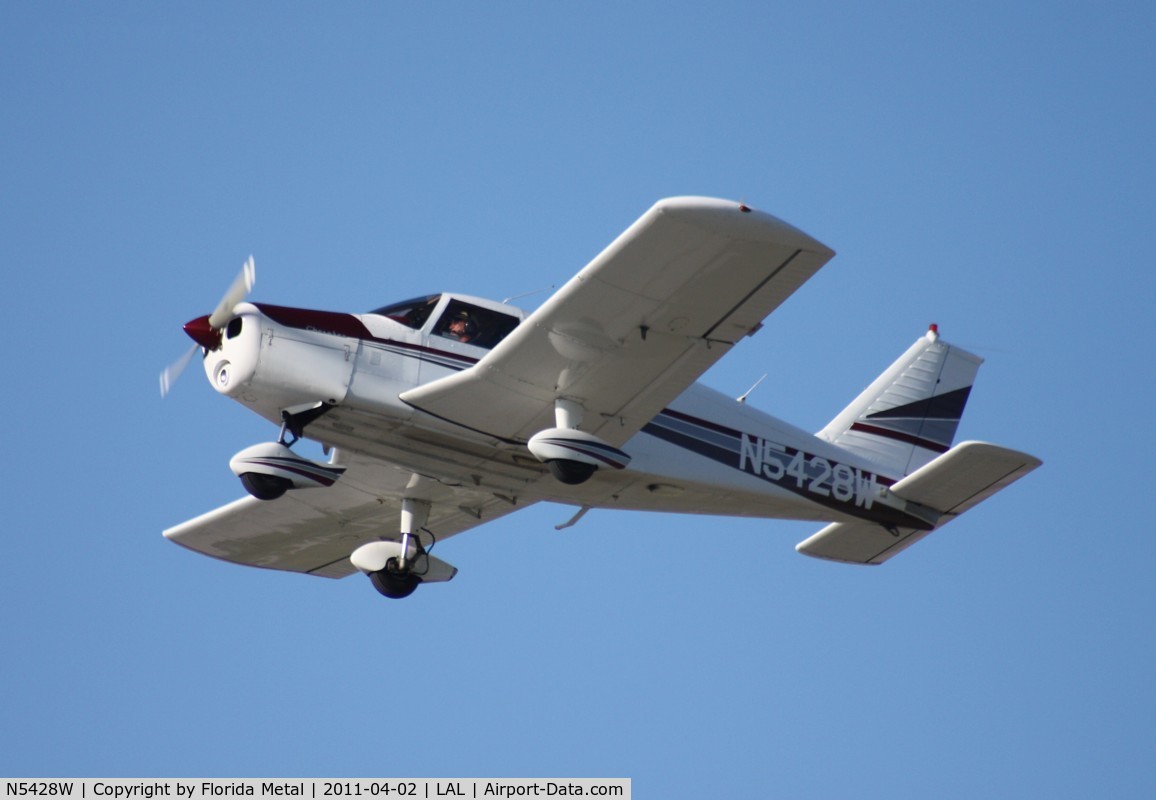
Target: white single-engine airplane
(448, 411)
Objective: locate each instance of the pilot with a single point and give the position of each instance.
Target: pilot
(462, 327)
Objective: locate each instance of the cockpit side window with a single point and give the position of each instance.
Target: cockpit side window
(474, 325)
(411, 313)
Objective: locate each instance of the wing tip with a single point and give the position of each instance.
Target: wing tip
(740, 220)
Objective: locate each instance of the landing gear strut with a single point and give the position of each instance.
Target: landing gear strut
(293, 422)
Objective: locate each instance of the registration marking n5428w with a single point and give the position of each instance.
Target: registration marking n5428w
(778, 463)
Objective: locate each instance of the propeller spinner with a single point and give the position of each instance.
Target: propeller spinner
(206, 331)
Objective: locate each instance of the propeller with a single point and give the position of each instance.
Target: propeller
(242, 285)
(206, 331)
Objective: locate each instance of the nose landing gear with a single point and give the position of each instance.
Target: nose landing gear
(269, 470)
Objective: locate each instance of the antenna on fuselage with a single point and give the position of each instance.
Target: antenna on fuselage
(742, 398)
(527, 294)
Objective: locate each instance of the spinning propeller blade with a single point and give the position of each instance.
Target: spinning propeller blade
(174, 370)
(240, 289)
(237, 292)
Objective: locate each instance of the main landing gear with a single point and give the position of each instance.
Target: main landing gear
(395, 568)
(573, 455)
(398, 578)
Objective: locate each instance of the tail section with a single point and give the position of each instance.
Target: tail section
(909, 415)
(905, 423)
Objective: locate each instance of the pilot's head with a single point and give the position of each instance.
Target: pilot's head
(462, 327)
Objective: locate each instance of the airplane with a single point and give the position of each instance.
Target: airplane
(444, 412)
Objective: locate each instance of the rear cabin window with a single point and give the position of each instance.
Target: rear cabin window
(470, 324)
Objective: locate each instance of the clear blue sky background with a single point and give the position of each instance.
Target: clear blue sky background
(986, 166)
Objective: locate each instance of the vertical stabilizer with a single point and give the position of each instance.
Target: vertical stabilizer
(909, 415)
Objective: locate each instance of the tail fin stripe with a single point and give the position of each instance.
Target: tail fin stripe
(947, 406)
(900, 436)
(911, 412)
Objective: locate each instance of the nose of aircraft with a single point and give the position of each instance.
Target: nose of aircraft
(204, 334)
(206, 330)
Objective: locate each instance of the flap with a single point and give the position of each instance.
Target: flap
(314, 531)
(637, 326)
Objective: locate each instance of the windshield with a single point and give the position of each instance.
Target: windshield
(411, 313)
(471, 324)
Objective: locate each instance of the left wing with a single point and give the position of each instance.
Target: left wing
(314, 531)
(637, 326)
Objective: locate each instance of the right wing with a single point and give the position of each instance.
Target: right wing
(314, 531)
(636, 326)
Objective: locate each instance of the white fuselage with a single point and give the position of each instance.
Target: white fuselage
(705, 454)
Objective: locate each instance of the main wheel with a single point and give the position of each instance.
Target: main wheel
(392, 583)
(265, 487)
(570, 472)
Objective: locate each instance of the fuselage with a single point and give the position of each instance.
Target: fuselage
(704, 454)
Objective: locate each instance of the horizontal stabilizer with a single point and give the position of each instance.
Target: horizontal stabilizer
(963, 476)
(949, 485)
(859, 542)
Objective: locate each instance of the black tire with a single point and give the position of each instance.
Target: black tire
(571, 472)
(265, 487)
(393, 584)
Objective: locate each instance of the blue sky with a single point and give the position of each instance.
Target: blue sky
(985, 166)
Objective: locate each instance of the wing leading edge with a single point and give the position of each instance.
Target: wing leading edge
(637, 326)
